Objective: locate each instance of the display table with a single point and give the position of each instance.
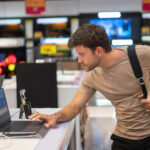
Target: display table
(68, 85)
(57, 138)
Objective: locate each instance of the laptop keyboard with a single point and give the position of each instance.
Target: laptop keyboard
(25, 126)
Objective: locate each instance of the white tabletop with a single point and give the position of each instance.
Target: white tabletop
(57, 138)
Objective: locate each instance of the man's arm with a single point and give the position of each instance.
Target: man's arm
(71, 110)
(67, 113)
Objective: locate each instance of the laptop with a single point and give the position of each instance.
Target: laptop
(16, 128)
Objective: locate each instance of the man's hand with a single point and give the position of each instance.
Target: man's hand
(145, 102)
(49, 119)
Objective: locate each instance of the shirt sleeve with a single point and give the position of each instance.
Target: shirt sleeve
(86, 85)
(143, 53)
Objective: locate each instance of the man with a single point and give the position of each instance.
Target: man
(109, 71)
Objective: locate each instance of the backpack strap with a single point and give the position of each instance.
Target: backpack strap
(136, 68)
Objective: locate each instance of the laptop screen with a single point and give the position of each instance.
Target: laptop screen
(4, 112)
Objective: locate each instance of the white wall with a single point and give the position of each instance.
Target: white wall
(110, 5)
(71, 7)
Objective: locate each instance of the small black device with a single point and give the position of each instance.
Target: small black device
(25, 106)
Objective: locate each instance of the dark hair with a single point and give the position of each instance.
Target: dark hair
(91, 36)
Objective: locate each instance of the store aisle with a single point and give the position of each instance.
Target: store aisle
(99, 127)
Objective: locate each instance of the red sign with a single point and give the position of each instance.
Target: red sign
(146, 5)
(35, 7)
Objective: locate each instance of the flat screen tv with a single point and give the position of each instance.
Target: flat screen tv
(52, 27)
(11, 28)
(55, 47)
(116, 28)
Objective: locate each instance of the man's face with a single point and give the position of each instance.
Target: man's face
(87, 58)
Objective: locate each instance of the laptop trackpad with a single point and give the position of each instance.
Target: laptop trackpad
(19, 128)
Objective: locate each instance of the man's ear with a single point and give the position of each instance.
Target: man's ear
(99, 51)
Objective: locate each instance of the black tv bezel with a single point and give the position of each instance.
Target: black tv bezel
(136, 20)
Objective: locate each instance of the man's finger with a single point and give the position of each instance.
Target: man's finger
(41, 117)
(147, 105)
(32, 116)
(145, 101)
(147, 110)
(140, 95)
(49, 124)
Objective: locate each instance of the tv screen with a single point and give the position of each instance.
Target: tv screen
(145, 33)
(11, 28)
(116, 28)
(52, 27)
(55, 47)
(145, 28)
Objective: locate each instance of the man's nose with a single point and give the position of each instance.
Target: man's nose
(79, 59)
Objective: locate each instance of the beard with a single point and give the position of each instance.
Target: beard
(88, 68)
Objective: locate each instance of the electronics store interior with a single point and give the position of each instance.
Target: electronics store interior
(41, 77)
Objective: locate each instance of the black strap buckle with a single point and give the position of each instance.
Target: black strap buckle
(141, 80)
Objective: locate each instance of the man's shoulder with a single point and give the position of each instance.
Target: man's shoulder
(93, 73)
(143, 53)
(142, 49)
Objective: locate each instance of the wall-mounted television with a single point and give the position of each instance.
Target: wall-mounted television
(125, 30)
(52, 27)
(55, 47)
(11, 28)
(145, 28)
(116, 28)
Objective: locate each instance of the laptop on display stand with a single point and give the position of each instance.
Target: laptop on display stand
(16, 128)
